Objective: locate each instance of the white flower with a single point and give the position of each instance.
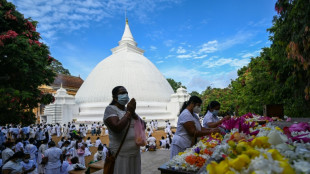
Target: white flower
(302, 166)
(261, 165)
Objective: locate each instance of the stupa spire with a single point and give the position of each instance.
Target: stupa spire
(127, 43)
(127, 36)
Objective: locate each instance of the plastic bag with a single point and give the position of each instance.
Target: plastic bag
(140, 133)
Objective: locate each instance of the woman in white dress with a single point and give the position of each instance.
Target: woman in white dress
(117, 118)
(64, 131)
(54, 156)
(58, 130)
(41, 151)
(188, 127)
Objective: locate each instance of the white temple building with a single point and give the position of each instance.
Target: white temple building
(128, 67)
(62, 110)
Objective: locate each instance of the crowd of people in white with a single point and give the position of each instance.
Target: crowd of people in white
(30, 149)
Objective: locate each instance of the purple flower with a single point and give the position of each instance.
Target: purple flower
(197, 150)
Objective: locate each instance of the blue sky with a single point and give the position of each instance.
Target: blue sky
(198, 42)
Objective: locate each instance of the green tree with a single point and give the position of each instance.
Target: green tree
(224, 96)
(194, 93)
(24, 65)
(175, 85)
(57, 67)
(290, 36)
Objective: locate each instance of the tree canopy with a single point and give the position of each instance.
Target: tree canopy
(57, 67)
(24, 65)
(281, 74)
(175, 85)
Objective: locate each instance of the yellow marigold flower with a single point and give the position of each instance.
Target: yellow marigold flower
(252, 153)
(287, 169)
(215, 168)
(231, 143)
(276, 155)
(241, 146)
(240, 162)
(261, 142)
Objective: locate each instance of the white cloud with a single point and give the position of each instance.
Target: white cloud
(200, 57)
(160, 61)
(209, 47)
(172, 49)
(181, 50)
(238, 63)
(250, 54)
(184, 56)
(153, 48)
(69, 15)
(168, 43)
(255, 43)
(239, 38)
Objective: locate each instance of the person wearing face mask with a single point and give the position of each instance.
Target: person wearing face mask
(211, 119)
(118, 117)
(99, 155)
(14, 164)
(189, 127)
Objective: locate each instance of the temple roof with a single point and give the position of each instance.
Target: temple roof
(68, 81)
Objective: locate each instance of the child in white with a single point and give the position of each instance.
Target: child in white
(98, 142)
(99, 155)
(88, 142)
(163, 142)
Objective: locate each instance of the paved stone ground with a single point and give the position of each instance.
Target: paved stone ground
(150, 161)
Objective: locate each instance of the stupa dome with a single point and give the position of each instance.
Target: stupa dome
(125, 67)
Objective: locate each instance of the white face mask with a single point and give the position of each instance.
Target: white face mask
(197, 109)
(215, 112)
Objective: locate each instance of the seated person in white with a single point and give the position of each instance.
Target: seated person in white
(75, 165)
(98, 142)
(151, 141)
(88, 142)
(163, 142)
(99, 155)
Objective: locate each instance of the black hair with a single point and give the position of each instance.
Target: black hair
(16, 155)
(88, 138)
(31, 140)
(100, 147)
(212, 105)
(8, 144)
(45, 141)
(75, 160)
(192, 99)
(66, 142)
(114, 94)
(51, 144)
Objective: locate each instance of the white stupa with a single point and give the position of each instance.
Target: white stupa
(129, 68)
